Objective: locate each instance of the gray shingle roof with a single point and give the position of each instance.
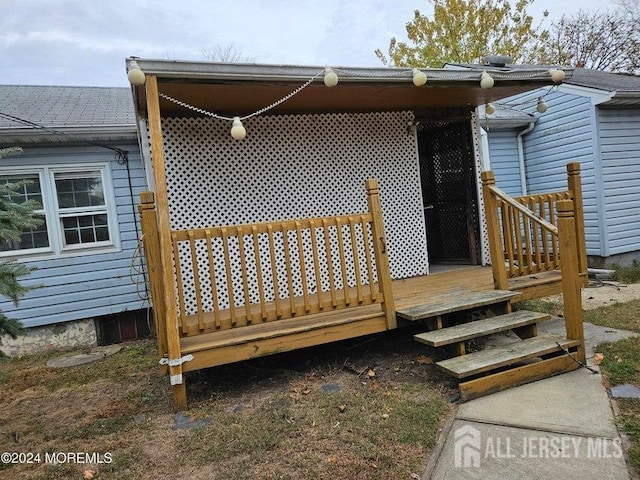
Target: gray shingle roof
(605, 80)
(67, 106)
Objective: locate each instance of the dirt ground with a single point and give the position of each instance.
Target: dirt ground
(603, 293)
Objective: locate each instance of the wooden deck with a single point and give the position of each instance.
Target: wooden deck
(442, 286)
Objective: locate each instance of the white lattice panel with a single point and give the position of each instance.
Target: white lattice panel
(294, 167)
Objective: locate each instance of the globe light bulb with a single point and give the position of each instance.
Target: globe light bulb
(238, 132)
(330, 77)
(557, 75)
(486, 80)
(135, 74)
(489, 109)
(419, 78)
(542, 106)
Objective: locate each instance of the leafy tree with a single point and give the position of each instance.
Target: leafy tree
(466, 31)
(14, 219)
(607, 40)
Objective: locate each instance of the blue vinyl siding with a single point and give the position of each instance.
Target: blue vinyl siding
(565, 133)
(503, 151)
(619, 131)
(88, 285)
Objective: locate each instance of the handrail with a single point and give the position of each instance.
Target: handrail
(524, 210)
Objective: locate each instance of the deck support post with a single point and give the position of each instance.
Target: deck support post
(380, 250)
(493, 229)
(574, 181)
(151, 243)
(571, 283)
(164, 240)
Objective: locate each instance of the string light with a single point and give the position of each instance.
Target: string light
(542, 106)
(557, 75)
(419, 78)
(135, 74)
(330, 77)
(486, 80)
(238, 132)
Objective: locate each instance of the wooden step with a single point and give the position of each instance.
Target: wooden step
(493, 358)
(480, 328)
(466, 301)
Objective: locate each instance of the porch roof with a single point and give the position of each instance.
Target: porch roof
(241, 89)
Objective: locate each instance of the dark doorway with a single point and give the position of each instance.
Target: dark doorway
(449, 191)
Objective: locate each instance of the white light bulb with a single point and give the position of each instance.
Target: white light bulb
(135, 74)
(330, 77)
(542, 106)
(489, 109)
(419, 78)
(486, 81)
(557, 75)
(238, 132)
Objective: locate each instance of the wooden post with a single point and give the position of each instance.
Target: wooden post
(380, 250)
(164, 237)
(571, 294)
(493, 229)
(151, 243)
(574, 181)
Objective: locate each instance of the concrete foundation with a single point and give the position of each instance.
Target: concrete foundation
(623, 259)
(81, 333)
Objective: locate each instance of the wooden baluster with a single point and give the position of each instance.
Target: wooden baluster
(303, 270)
(528, 245)
(196, 280)
(316, 262)
(343, 262)
(536, 235)
(256, 254)
(545, 236)
(180, 287)
(229, 275)
(287, 262)
(554, 240)
(356, 257)
(571, 294)
(245, 275)
(212, 275)
(508, 237)
(517, 230)
(327, 247)
(367, 256)
(274, 271)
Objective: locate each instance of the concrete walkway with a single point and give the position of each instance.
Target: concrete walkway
(560, 427)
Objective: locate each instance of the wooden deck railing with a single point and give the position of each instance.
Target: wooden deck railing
(233, 276)
(523, 231)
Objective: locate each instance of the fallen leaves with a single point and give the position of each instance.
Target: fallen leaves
(598, 357)
(89, 474)
(424, 360)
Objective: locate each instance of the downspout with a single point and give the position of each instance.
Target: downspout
(523, 172)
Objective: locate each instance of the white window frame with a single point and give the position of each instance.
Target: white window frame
(53, 218)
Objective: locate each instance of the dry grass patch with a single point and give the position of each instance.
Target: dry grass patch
(366, 409)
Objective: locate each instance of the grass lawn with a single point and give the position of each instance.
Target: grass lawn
(366, 409)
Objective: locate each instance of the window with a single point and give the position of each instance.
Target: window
(77, 207)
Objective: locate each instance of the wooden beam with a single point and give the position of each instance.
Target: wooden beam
(164, 237)
(574, 181)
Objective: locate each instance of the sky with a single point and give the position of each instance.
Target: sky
(85, 42)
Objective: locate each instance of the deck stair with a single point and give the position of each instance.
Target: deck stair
(457, 321)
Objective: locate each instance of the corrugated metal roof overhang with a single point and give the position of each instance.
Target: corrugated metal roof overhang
(243, 89)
